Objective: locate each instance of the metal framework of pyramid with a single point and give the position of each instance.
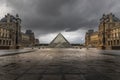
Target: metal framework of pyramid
(60, 42)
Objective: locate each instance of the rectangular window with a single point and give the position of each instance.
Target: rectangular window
(118, 42)
(9, 42)
(114, 42)
(111, 43)
(3, 42)
(108, 42)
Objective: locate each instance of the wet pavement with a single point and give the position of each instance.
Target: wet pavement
(60, 64)
(15, 51)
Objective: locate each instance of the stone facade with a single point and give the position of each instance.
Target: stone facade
(94, 39)
(31, 37)
(91, 38)
(11, 36)
(25, 40)
(109, 32)
(10, 28)
(108, 35)
(28, 39)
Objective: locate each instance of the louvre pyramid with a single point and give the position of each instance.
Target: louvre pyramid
(60, 42)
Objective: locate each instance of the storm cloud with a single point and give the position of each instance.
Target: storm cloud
(50, 16)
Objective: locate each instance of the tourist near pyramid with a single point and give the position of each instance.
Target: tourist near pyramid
(60, 42)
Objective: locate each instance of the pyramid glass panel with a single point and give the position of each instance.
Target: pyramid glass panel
(60, 42)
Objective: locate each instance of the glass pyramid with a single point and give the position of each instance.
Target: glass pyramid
(60, 42)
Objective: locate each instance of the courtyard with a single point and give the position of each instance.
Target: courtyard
(60, 64)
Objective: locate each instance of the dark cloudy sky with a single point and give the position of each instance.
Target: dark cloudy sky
(49, 17)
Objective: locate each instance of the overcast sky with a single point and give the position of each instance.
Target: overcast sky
(70, 17)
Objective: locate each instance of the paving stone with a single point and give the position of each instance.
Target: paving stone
(51, 77)
(17, 71)
(29, 77)
(8, 77)
(74, 77)
(73, 71)
(60, 64)
(53, 70)
(96, 76)
(36, 71)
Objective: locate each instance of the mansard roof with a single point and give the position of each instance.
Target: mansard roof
(107, 17)
(115, 19)
(11, 18)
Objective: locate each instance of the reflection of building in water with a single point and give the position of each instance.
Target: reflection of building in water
(60, 42)
(108, 32)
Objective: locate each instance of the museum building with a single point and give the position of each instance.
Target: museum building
(108, 33)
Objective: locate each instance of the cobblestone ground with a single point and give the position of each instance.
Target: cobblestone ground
(60, 64)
